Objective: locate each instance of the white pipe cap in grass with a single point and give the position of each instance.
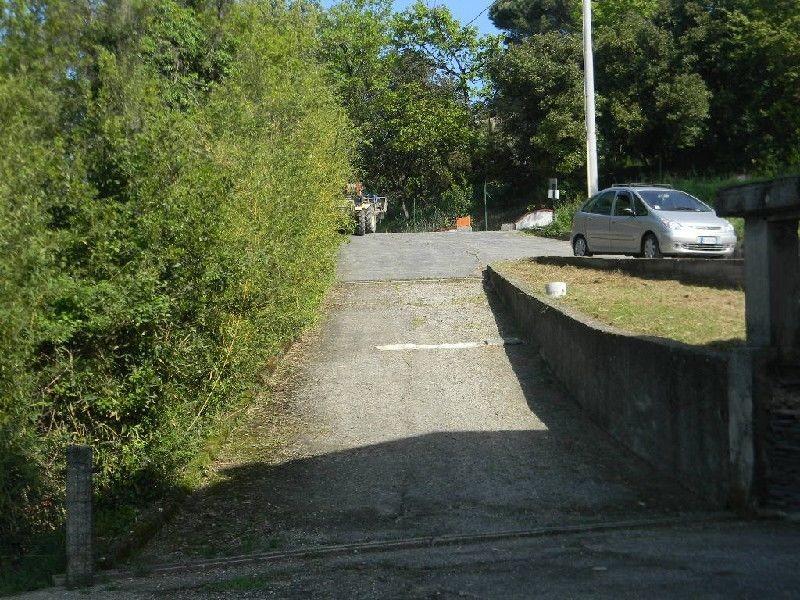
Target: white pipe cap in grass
(556, 289)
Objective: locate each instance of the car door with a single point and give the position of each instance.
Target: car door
(625, 225)
(598, 223)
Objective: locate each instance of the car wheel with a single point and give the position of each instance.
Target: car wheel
(650, 247)
(579, 247)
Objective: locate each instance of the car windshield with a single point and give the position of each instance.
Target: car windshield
(672, 200)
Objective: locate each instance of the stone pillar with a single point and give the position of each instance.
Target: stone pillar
(79, 516)
(757, 283)
(784, 251)
(772, 275)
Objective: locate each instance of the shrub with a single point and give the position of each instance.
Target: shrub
(168, 225)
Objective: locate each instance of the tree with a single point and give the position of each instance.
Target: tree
(408, 82)
(354, 41)
(749, 56)
(538, 99)
(451, 49)
(522, 18)
(654, 105)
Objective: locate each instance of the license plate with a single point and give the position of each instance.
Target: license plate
(708, 241)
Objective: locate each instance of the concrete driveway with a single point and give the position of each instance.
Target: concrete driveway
(414, 414)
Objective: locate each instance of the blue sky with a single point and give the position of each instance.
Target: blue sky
(464, 10)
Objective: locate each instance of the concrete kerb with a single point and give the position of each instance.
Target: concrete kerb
(685, 410)
(461, 540)
(721, 273)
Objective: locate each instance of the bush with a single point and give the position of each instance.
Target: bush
(456, 201)
(168, 225)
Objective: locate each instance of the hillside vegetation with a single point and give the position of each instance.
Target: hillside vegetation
(686, 90)
(169, 180)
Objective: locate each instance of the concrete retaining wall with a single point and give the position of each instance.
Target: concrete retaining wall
(698, 271)
(672, 404)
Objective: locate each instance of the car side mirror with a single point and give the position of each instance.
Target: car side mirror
(628, 212)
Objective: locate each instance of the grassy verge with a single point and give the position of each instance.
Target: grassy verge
(691, 314)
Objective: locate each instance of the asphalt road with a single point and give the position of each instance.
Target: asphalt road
(394, 256)
(415, 413)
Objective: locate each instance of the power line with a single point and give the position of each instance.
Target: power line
(479, 15)
(476, 17)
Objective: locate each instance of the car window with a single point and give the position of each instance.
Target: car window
(639, 208)
(602, 206)
(589, 204)
(622, 204)
(673, 200)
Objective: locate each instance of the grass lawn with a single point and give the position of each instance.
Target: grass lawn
(697, 315)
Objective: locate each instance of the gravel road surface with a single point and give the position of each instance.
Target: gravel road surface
(414, 411)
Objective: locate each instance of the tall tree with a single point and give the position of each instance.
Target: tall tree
(450, 48)
(749, 55)
(538, 100)
(521, 18)
(654, 105)
(410, 89)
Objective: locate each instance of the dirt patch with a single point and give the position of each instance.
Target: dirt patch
(692, 314)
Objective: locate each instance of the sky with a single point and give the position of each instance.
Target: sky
(464, 10)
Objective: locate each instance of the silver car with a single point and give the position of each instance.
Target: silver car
(650, 221)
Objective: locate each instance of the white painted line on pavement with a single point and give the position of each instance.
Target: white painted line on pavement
(452, 346)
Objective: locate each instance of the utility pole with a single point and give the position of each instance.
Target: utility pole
(591, 131)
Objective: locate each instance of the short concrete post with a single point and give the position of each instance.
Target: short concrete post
(79, 516)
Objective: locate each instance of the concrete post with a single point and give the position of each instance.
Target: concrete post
(592, 170)
(79, 516)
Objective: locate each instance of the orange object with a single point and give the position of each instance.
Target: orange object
(463, 222)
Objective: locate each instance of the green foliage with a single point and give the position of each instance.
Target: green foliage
(749, 56)
(653, 104)
(408, 86)
(682, 85)
(563, 213)
(541, 134)
(169, 183)
(450, 48)
(526, 17)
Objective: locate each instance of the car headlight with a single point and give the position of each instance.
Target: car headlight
(673, 225)
(728, 226)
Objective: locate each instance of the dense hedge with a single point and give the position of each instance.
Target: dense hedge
(169, 178)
